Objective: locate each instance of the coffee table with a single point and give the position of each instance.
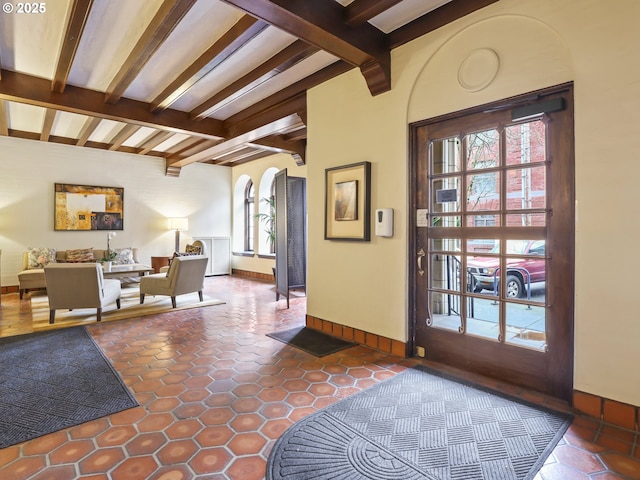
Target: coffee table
(135, 270)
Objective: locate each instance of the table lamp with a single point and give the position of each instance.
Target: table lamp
(178, 224)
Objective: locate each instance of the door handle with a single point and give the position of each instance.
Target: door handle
(420, 255)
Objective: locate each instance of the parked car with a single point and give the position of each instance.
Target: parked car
(520, 271)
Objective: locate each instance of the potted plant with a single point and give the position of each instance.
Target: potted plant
(110, 255)
(269, 221)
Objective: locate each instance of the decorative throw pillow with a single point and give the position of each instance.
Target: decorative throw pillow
(80, 255)
(193, 249)
(124, 256)
(39, 257)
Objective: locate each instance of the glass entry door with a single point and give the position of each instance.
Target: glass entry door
(493, 246)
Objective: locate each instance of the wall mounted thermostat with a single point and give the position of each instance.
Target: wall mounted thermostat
(384, 222)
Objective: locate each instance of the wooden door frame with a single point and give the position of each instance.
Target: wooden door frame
(563, 227)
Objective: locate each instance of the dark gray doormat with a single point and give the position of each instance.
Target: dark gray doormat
(54, 380)
(311, 341)
(419, 424)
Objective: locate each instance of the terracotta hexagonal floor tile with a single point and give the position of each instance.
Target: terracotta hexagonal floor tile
(62, 471)
(273, 429)
(247, 422)
(24, 467)
(247, 390)
(179, 451)
(275, 410)
(101, 461)
(45, 443)
(163, 404)
(210, 460)
(145, 443)
(155, 421)
(246, 404)
(247, 443)
(135, 468)
(216, 416)
(183, 429)
(250, 468)
(214, 436)
(71, 452)
(173, 472)
(116, 436)
(300, 399)
(89, 429)
(189, 410)
(127, 417)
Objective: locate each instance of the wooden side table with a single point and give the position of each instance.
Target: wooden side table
(158, 262)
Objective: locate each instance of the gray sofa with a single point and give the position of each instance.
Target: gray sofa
(34, 279)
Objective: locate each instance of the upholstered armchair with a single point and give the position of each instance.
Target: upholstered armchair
(185, 275)
(79, 285)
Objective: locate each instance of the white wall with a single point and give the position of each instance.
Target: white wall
(29, 169)
(539, 43)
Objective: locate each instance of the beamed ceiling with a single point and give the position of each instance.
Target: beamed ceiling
(221, 82)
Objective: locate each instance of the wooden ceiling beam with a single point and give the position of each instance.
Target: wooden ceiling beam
(321, 23)
(47, 125)
(30, 90)
(88, 128)
(154, 141)
(4, 125)
(361, 11)
(235, 38)
(122, 136)
(441, 16)
(281, 61)
(78, 14)
(163, 23)
(277, 144)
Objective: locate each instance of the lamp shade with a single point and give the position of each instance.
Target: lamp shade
(178, 223)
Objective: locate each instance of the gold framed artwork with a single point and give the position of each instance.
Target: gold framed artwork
(87, 207)
(348, 202)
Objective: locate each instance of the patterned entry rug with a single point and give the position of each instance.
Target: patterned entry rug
(311, 341)
(419, 424)
(54, 380)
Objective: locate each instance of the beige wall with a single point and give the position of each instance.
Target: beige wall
(255, 171)
(28, 170)
(539, 43)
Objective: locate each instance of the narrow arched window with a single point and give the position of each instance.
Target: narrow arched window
(249, 216)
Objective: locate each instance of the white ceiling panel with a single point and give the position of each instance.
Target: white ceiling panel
(257, 51)
(277, 83)
(30, 42)
(106, 130)
(139, 137)
(170, 142)
(192, 36)
(403, 13)
(68, 124)
(115, 26)
(26, 118)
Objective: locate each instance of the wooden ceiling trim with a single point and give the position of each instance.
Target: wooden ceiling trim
(235, 38)
(328, 72)
(122, 136)
(277, 144)
(47, 125)
(30, 90)
(447, 13)
(185, 144)
(89, 127)
(4, 125)
(257, 155)
(154, 141)
(164, 22)
(281, 61)
(79, 12)
(361, 11)
(321, 23)
(189, 151)
(273, 128)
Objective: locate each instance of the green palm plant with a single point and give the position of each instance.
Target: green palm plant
(268, 219)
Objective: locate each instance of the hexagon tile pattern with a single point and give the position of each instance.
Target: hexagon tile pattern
(215, 393)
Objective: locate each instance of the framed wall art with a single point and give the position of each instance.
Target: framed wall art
(347, 202)
(87, 207)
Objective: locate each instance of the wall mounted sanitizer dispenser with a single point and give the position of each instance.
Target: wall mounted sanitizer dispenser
(384, 222)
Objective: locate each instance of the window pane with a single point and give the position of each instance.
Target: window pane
(526, 220)
(446, 221)
(483, 245)
(526, 188)
(483, 274)
(525, 143)
(526, 325)
(483, 192)
(445, 244)
(446, 195)
(483, 220)
(483, 149)
(482, 318)
(445, 311)
(445, 272)
(445, 156)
